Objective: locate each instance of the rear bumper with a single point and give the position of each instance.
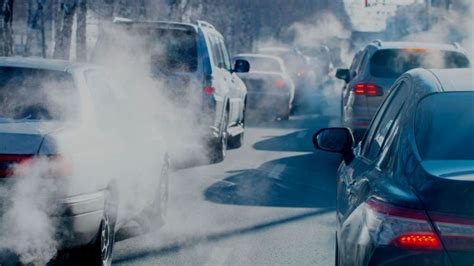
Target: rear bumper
(396, 256)
(268, 101)
(80, 219)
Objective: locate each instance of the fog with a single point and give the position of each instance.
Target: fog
(131, 126)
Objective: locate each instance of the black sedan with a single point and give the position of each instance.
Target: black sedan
(405, 193)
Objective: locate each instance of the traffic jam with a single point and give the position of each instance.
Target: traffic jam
(196, 132)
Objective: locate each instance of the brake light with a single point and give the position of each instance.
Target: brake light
(300, 72)
(415, 50)
(418, 241)
(401, 227)
(279, 84)
(45, 165)
(9, 161)
(367, 89)
(208, 90)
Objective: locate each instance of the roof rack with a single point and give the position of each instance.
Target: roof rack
(457, 45)
(122, 20)
(202, 23)
(377, 42)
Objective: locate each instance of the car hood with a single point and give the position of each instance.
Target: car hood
(24, 137)
(446, 186)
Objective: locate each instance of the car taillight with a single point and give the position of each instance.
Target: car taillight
(367, 89)
(401, 227)
(9, 161)
(46, 165)
(208, 90)
(300, 72)
(279, 84)
(457, 233)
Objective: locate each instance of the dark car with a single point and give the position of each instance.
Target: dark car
(269, 86)
(59, 157)
(375, 69)
(192, 64)
(405, 194)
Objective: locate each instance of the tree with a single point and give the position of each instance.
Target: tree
(81, 34)
(6, 32)
(63, 37)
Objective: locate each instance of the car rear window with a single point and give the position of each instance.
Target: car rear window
(444, 126)
(264, 64)
(173, 50)
(391, 63)
(33, 94)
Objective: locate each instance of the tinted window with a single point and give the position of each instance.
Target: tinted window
(36, 94)
(445, 126)
(391, 63)
(264, 64)
(217, 54)
(380, 129)
(172, 50)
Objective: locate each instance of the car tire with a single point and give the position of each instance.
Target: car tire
(336, 259)
(153, 217)
(100, 251)
(285, 115)
(218, 150)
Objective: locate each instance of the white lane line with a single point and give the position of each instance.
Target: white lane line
(218, 256)
(277, 170)
(302, 134)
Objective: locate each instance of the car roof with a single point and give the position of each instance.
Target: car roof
(259, 56)
(38, 63)
(441, 80)
(457, 79)
(275, 49)
(163, 24)
(406, 45)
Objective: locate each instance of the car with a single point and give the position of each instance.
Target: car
(378, 65)
(193, 65)
(295, 61)
(269, 86)
(405, 192)
(70, 162)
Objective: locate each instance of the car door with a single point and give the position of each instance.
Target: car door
(222, 77)
(352, 71)
(354, 178)
(236, 87)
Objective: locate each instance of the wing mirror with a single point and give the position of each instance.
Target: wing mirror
(344, 74)
(337, 139)
(241, 66)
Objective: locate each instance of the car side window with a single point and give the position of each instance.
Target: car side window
(388, 117)
(225, 55)
(217, 54)
(389, 147)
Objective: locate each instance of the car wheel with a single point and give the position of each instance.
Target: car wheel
(100, 252)
(336, 259)
(285, 115)
(218, 152)
(237, 141)
(153, 217)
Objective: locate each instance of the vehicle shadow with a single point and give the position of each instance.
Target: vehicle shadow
(218, 236)
(304, 181)
(298, 141)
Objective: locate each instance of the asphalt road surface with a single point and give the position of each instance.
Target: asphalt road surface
(271, 202)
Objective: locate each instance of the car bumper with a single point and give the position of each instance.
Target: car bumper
(80, 219)
(269, 101)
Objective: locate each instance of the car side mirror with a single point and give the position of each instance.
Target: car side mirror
(241, 66)
(344, 74)
(337, 139)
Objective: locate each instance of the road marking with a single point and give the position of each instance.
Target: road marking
(301, 135)
(218, 256)
(277, 170)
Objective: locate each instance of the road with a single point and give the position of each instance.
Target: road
(271, 202)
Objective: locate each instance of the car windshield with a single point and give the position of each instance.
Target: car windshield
(33, 94)
(445, 126)
(264, 64)
(391, 63)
